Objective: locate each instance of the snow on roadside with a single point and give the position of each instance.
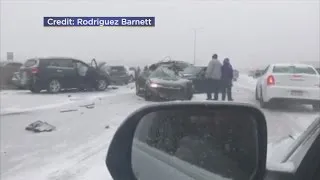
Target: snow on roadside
(246, 82)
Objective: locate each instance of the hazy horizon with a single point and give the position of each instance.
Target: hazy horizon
(250, 33)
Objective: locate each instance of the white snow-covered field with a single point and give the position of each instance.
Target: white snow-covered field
(77, 149)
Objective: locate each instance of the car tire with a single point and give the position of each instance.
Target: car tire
(102, 85)
(316, 107)
(54, 86)
(263, 104)
(35, 90)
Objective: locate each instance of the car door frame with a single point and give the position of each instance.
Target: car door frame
(303, 157)
(88, 73)
(143, 78)
(199, 82)
(261, 80)
(65, 74)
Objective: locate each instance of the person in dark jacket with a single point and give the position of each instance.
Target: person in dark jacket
(226, 79)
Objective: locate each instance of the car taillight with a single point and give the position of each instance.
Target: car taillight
(270, 80)
(34, 70)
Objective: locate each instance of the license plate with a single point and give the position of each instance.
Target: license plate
(296, 93)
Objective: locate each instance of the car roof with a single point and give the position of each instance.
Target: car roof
(53, 57)
(292, 64)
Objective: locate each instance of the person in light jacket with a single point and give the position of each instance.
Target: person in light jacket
(226, 79)
(213, 76)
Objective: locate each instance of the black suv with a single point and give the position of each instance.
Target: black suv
(55, 74)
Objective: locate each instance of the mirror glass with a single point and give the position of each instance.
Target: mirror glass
(196, 144)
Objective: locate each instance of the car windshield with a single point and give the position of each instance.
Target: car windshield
(294, 70)
(164, 73)
(191, 70)
(264, 53)
(30, 63)
(118, 68)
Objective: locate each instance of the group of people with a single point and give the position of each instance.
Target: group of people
(219, 78)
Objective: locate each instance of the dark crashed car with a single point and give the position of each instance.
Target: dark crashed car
(163, 84)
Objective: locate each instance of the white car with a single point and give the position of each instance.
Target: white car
(296, 83)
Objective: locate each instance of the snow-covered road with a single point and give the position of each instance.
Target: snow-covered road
(77, 149)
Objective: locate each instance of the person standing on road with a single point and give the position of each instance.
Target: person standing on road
(213, 76)
(226, 79)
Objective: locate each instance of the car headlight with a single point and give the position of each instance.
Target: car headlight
(154, 85)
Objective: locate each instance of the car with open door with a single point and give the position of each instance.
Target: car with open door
(164, 84)
(60, 73)
(119, 74)
(290, 83)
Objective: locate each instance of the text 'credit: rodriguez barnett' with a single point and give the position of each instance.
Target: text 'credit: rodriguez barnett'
(98, 21)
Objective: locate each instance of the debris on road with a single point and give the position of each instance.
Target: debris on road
(68, 110)
(107, 127)
(40, 126)
(89, 106)
(114, 87)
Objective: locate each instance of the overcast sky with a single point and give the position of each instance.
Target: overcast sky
(250, 33)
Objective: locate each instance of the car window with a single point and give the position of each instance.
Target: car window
(117, 69)
(294, 70)
(30, 62)
(66, 63)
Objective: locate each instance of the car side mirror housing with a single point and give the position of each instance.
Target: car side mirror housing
(190, 140)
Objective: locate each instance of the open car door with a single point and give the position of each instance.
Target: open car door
(200, 82)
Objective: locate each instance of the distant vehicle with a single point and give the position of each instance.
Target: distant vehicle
(163, 83)
(295, 83)
(255, 73)
(132, 73)
(119, 74)
(16, 80)
(235, 75)
(7, 70)
(57, 73)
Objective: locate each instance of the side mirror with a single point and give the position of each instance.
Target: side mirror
(190, 140)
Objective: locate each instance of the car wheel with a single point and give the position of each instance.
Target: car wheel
(316, 107)
(54, 86)
(261, 101)
(102, 85)
(35, 90)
